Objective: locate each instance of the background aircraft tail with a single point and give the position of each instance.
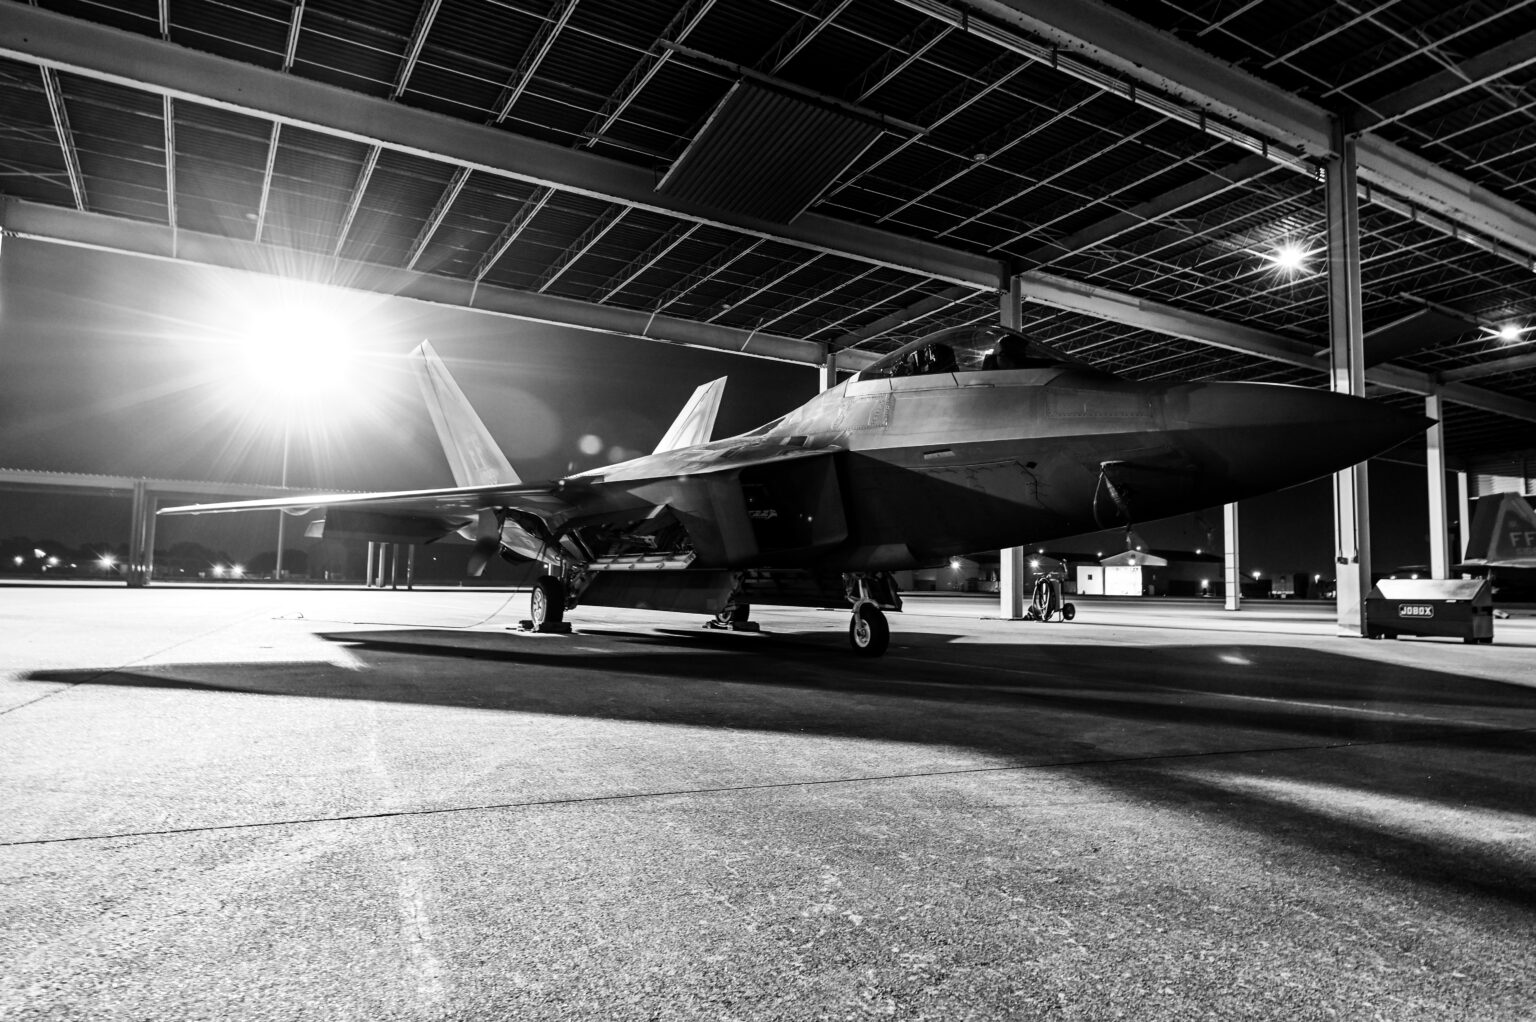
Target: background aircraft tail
(1503, 532)
(472, 454)
(695, 424)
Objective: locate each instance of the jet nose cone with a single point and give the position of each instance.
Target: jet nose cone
(1288, 435)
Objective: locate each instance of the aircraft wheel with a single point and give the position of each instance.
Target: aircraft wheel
(546, 604)
(1068, 612)
(869, 633)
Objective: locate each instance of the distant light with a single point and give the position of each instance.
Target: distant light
(954, 562)
(1414, 575)
(1205, 583)
(39, 554)
(1317, 578)
(1255, 574)
(18, 559)
(106, 561)
(1133, 559)
(1034, 565)
(1290, 257)
(218, 571)
(236, 570)
(1198, 551)
(53, 562)
(1509, 333)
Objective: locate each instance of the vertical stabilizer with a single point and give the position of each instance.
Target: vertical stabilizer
(695, 424)
(1503, 532)
(472, 454)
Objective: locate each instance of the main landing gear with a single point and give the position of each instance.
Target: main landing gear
(546, 605)
(735, 617)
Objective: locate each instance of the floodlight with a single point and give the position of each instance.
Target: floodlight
(1290, 257)
(106, 561)
(1509, 333)
(39, 554)
(218, 571)
(297, 345)
(954, 562)
(18, 559)
(1255, 574)
(236, 570)
(53, 562)
(1034, 565)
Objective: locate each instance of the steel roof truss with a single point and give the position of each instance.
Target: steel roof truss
(656, 252)
(424, 20)
(435, 219)
(266, 180)
(679, 28)
(721, 262)
(581, 246)
(66, 137)
(533, 56)
(364, 175)
(511, 232)
(168, 113)
(1480, 70)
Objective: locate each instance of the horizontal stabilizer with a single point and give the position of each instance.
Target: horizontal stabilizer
(695, 424)
(1503, 533)
(472, 454)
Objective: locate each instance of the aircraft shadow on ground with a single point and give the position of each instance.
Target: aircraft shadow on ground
(1168, 724)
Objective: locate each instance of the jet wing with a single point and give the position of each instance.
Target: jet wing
(455, 501)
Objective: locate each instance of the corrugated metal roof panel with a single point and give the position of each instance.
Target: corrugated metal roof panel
(766, 154)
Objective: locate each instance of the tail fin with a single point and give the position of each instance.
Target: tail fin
(1503, 532)
(472, 454)
(695, 424)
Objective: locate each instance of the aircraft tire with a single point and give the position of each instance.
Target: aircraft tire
(546, 604)
(1068, 612)
(869, 633)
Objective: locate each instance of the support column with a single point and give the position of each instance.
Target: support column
(1464, 500)
(394, 566)
(1346, 345)
(410, 566)
(368, 567)
(1231, 560)
(137, 573)
(1010, 575)
(1434, 470)
(828, 371)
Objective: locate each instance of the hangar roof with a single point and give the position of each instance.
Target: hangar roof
(790, 177)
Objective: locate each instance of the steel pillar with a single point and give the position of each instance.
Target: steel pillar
(1231, 560)
(1346, 346)
(1010, 575)
(140, 535)
(394, 566)
(368, 567)
(828, 371)
(410, 566)
(1434, 471)
(1464, 509)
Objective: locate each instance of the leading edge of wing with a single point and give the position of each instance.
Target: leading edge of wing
(448, 500)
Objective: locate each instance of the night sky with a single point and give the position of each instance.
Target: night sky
(130, 366)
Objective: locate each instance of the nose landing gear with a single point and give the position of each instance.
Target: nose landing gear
(869, 633)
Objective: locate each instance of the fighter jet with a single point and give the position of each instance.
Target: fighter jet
(968, 439)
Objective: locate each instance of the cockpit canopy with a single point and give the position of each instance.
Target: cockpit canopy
(969, 349)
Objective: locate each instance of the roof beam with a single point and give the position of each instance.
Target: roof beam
(1102, 303)
(66, 136)
(1512, 364)
(679, 28)
(1208, 87)
(95, 51)
(1470, 74)
(439, 213)
(35, 221)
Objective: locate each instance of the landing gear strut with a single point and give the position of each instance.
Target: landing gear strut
(735, 617)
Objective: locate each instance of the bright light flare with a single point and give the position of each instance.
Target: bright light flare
(1510, 333)
(106, 561)
(236, 570)
(294, 350)
(1290, 257)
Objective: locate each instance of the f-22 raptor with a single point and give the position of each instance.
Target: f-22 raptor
(968, 439)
